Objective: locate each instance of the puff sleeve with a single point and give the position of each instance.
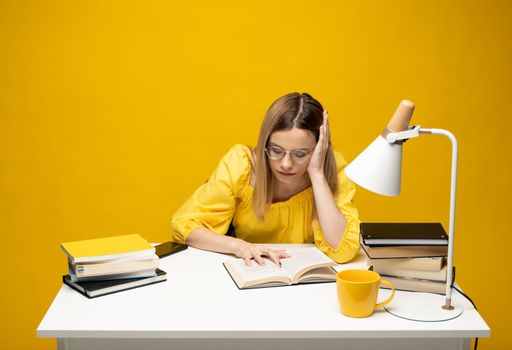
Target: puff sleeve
(349, 245)
(213, 204)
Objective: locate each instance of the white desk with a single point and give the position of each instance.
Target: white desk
(199, 306)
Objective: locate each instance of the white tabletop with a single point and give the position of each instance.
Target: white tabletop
(200, 300)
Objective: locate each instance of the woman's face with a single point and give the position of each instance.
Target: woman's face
(296, 144)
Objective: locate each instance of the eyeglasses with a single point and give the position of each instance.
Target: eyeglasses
(277, 153)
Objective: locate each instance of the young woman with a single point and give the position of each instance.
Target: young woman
(290, 189)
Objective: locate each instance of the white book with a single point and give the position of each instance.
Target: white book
(115, 266)
(118, 276)
(429, 264)
(415, 285)
(416, 274)
(308, 265)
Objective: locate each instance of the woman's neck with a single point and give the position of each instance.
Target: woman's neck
(284, 191)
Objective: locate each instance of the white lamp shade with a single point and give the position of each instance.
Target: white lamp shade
(378, 168)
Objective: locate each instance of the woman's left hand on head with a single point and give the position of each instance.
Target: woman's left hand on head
(316, 163)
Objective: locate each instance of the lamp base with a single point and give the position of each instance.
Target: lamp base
(423, 307)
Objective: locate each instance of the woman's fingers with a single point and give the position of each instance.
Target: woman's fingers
(320, 143)
(259, 259)
(326, 129)
(283, 254)
(323, 139)
(274, 256)
(256, 253)
(247, 260)
(277, 255)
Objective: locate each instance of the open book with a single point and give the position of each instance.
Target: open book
(308, 265)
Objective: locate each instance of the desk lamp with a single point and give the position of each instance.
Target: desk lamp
(378, 169)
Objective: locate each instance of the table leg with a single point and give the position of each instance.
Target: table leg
(63, 344)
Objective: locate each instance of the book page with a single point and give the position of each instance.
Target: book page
(305, 259)
(318, 274)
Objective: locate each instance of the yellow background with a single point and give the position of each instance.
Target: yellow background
(112, 113)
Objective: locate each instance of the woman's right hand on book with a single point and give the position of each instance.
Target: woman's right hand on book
(203, 238)
(249, 251)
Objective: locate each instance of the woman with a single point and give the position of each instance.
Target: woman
(290, 189)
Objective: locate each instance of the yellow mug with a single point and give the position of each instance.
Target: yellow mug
(357, 292)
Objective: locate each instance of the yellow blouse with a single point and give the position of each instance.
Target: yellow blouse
(227, 196)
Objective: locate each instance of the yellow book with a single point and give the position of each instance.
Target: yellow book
(107, 248)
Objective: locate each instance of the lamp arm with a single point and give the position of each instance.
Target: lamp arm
(453, 195)
(402, 136)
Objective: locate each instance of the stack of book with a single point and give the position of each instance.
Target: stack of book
(412, 256)
(112, 264)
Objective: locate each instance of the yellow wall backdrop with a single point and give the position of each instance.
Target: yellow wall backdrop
(113, 112)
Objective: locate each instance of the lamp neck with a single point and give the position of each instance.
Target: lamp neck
(453, 195)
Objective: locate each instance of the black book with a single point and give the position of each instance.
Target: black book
(414, 233)
(92, 289)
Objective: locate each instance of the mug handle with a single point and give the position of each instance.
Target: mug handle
(385, 302)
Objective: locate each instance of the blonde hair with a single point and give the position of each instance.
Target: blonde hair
(299, 110)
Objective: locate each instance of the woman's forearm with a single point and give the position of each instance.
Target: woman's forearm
(203, 238)
(332, 221)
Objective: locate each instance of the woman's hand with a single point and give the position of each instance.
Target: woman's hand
(248, 251)
(316, 163)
